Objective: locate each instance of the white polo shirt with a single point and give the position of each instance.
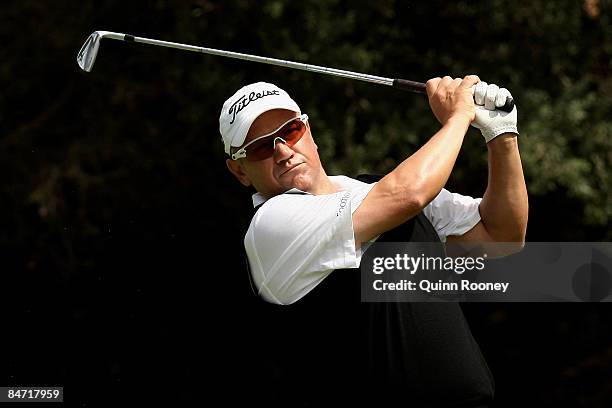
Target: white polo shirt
(296, 240)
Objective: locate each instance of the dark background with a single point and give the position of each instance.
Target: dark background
(121, 230)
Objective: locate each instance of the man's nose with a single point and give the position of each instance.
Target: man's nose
(282, 152)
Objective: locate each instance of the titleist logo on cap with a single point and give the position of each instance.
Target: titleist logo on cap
(241, 103)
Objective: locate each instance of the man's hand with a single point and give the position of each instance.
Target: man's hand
(490, 121)
(452, 98)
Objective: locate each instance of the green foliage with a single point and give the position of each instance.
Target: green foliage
(77, 148)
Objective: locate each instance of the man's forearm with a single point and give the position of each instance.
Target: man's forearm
(404, 192)
(504, 207)
(428, 169)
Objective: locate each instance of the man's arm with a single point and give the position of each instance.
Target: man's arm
(504, 207)
(405, 191)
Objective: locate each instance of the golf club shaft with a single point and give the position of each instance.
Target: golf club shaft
(402, 84)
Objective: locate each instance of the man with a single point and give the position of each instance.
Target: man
(303, 245)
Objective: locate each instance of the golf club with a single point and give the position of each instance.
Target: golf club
(88, 52)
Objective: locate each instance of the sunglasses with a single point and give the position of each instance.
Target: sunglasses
(263, 147)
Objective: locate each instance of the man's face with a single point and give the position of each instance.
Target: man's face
(298, 166)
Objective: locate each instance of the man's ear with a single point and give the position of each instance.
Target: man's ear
(313, 141)
(235, 167)
(316, 146)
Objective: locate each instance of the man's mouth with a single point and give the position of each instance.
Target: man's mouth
(290, 168)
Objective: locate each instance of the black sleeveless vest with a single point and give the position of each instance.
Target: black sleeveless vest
(329, 347)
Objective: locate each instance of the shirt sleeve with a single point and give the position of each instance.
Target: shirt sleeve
(452, 213)
(296, 240)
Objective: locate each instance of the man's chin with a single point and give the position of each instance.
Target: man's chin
(301, 181)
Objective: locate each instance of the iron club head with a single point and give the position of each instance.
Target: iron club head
(88, 52)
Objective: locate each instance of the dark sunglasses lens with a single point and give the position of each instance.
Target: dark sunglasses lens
(260, 150)
(292, 132)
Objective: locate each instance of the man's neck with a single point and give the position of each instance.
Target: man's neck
(324, 186)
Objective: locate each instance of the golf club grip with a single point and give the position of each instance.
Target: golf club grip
(419, 87)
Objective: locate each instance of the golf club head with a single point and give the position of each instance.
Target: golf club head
(88, 52)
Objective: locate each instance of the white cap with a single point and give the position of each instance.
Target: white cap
(242, 108)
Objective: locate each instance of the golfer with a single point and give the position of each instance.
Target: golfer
(317, 342)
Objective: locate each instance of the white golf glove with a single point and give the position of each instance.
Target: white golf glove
(490, 121)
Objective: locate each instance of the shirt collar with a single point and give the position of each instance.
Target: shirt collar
(343, 182)
(259, 199)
